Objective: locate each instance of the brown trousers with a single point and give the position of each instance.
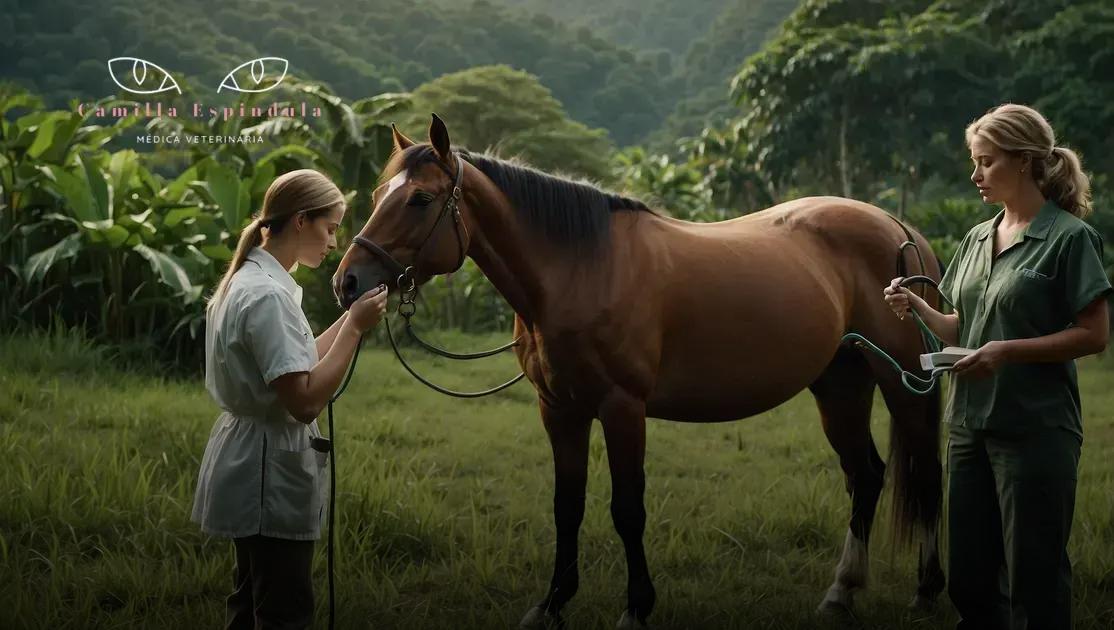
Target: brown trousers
(274, 588)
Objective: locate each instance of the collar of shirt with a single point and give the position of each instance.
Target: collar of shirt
(271, 266)
(1038, 227)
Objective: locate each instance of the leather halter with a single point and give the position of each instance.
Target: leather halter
(405, 273)
(409, 291)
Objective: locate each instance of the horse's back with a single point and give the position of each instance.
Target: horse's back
(853, 222)
(842, 242)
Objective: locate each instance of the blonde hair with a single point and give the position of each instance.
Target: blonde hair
(1018, 129)
(303, 190)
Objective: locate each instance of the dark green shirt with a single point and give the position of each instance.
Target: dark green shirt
(1034, 287)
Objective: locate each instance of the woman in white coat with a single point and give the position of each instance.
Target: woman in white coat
(262, 483)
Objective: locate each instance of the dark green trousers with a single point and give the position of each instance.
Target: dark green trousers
(1010, 504)
(274, 590)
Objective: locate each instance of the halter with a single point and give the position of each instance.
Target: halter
(405, 273)
(409, 290)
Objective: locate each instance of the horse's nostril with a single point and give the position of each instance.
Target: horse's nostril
(348, 285)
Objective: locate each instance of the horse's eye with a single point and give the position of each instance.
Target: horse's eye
(419, 198)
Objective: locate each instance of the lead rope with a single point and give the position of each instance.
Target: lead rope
(932, 343)
(406, 308)
(333, 481)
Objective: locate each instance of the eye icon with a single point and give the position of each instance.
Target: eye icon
(256, 75)
(143, 74)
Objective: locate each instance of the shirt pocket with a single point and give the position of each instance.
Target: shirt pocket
(1027, 296)
(294, 492)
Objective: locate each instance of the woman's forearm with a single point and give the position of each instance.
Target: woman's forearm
(1068, 344)
(325, 377)
(325, 340)
(946, 327)
(1089, 334)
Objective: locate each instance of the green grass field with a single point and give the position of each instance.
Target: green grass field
(444, 507)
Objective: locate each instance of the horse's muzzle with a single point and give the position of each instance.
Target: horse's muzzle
(361, 277)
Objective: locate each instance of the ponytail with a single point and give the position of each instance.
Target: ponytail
(250, 237)
(1065, 183)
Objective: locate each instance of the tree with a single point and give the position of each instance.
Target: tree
(511, 113)
(1063, 70)
(851, 94)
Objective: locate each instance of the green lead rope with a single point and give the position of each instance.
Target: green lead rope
(911, 381)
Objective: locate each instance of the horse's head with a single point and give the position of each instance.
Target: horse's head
(416, 229)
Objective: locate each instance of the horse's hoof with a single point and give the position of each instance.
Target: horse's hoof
(629, 622)
(537, 619)
(922, 604)
(835, 608)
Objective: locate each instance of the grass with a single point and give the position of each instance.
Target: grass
(444, 506)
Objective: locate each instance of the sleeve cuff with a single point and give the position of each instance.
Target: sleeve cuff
(286, 368)
(1088, 295)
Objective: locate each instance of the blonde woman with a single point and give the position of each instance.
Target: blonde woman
(262, 481)
(1030, 294)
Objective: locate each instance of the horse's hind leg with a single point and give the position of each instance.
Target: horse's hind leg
(568, 436)
(844, 393)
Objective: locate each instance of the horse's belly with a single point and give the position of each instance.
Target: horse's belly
(710, 375)
(762, 333)
(720, 400)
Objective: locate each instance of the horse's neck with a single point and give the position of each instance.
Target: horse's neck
(501, 249)
(534, 276)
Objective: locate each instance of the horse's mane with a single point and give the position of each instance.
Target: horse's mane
(561, 210)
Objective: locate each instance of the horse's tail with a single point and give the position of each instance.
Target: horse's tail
(914, 460)
(914, 464)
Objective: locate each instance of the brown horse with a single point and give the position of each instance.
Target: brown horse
(624, 313)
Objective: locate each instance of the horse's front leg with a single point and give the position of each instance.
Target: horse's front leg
(568, 435)
(624, 427)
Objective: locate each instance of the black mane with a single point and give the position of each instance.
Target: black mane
(565, 212)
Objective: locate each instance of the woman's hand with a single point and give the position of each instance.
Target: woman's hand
(899, 299)
(902, 301)
(982, 362)
(368, 309)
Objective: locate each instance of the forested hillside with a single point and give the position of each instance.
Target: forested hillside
(704, 74)
(651, 25)
(58, 48)
(696, 47)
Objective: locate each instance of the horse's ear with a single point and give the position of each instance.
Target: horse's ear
(439, 138)
(401, 141)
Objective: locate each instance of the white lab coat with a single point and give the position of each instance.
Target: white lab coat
(258, 474)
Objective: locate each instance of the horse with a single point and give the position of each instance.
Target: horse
(622, 313)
